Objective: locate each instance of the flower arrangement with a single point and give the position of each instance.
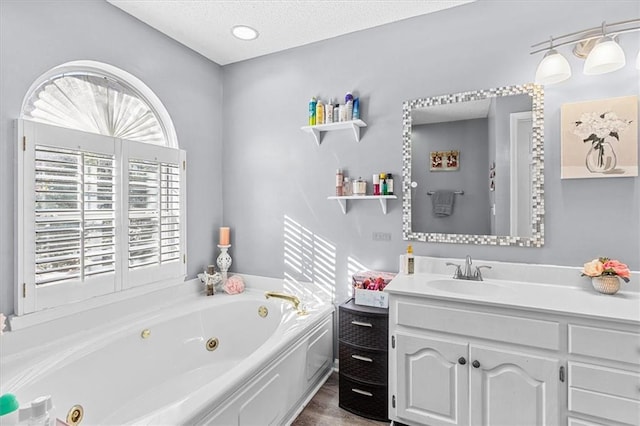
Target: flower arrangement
(603, 266)
(593, 127)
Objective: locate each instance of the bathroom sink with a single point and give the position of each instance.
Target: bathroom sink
(480, 288)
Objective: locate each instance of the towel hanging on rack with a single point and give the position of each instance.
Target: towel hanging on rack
(442, 202)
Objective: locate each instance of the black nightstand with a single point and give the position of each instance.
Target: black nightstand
(363, 342)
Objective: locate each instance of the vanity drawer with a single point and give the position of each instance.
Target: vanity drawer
(363, 364)
(363, 329)
(604, 343)
(605, 406)
(611, 381)
(503, 328)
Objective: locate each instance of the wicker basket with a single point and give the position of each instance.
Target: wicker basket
(606, 284)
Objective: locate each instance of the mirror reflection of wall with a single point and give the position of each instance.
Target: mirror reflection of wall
(493, 136)
(470, 214)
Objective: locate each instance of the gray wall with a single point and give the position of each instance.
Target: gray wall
(36, 36)
(471, 211)
(275, 171)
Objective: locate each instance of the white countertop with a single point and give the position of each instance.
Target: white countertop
(562, 299)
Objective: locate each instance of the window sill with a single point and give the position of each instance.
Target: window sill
(135, 299)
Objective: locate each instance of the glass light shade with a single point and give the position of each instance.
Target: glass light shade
(553, 68)
(606, 56)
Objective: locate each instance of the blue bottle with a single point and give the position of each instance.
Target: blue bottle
(312, 111)
(356, 109)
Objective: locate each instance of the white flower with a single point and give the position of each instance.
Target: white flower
(600, 126)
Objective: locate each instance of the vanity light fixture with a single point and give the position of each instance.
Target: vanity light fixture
(599, 45)
(244, 32)
(554, 67)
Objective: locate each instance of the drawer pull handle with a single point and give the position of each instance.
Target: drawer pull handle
(476, 364)
(361, 358)
(362, 324)
(361, 392)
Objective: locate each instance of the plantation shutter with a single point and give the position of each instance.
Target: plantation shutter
(155, 199)
(74, 214)
(67, 216)
(96, 214)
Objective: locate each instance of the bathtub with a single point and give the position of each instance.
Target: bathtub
(209, 360)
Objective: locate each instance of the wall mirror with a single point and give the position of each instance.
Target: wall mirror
(473, 166)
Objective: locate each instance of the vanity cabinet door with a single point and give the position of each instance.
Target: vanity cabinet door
(508, 388)
(432, 375)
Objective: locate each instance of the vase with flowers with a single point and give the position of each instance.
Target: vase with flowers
(605, 274)
(600, 130)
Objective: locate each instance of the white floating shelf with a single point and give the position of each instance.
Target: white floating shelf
(382, 198)
(317, 130)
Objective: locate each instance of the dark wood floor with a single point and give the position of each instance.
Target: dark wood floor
(323, 409)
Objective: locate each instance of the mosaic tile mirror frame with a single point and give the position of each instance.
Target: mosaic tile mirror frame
(536, 237)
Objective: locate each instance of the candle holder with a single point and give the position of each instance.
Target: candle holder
(224, 261)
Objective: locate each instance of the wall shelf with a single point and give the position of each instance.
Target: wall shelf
(382, 198)
(317, 130)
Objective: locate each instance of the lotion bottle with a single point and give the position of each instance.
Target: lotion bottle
(328, 110)
(409, 260)
(319, 112)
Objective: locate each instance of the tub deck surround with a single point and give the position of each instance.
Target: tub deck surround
(169, 377)
(556, 289)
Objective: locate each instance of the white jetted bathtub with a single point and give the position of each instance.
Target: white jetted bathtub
(211, 360)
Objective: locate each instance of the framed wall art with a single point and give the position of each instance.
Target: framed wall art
(444, 161)
(599, 139)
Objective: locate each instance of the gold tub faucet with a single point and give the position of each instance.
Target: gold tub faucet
(289, 298)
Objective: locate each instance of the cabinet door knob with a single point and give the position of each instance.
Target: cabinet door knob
(476, 364)
(462, 361)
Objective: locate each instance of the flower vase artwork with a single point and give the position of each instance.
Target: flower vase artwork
(599, 138)
(605, 274)
(600, 131)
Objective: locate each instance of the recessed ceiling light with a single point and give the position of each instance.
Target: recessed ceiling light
(244, 32)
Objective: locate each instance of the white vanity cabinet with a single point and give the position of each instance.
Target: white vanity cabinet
(456, 365)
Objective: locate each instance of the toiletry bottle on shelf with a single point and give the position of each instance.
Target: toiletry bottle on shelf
(328, 111)
(312, 112)
(339, 182)
(376, 184)
(346, 187)
(336, 113)
(389, 180)
(349, 108)
(356, 109)
(348, 97)
(410, 260)
(383, 184)
(319, 112)
(342, 109)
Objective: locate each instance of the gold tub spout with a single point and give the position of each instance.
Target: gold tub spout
(289, 298)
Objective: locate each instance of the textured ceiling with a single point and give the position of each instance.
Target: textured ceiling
(205, 25)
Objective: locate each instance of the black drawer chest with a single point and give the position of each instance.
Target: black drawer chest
(363, 341)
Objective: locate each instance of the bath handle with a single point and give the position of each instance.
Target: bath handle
(362, 324)
(361, 392)
(361, 358)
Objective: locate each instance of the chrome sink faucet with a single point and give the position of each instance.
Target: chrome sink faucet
(469, 273)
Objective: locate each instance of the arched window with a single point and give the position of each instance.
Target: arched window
(99, 98)
(101, 188)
